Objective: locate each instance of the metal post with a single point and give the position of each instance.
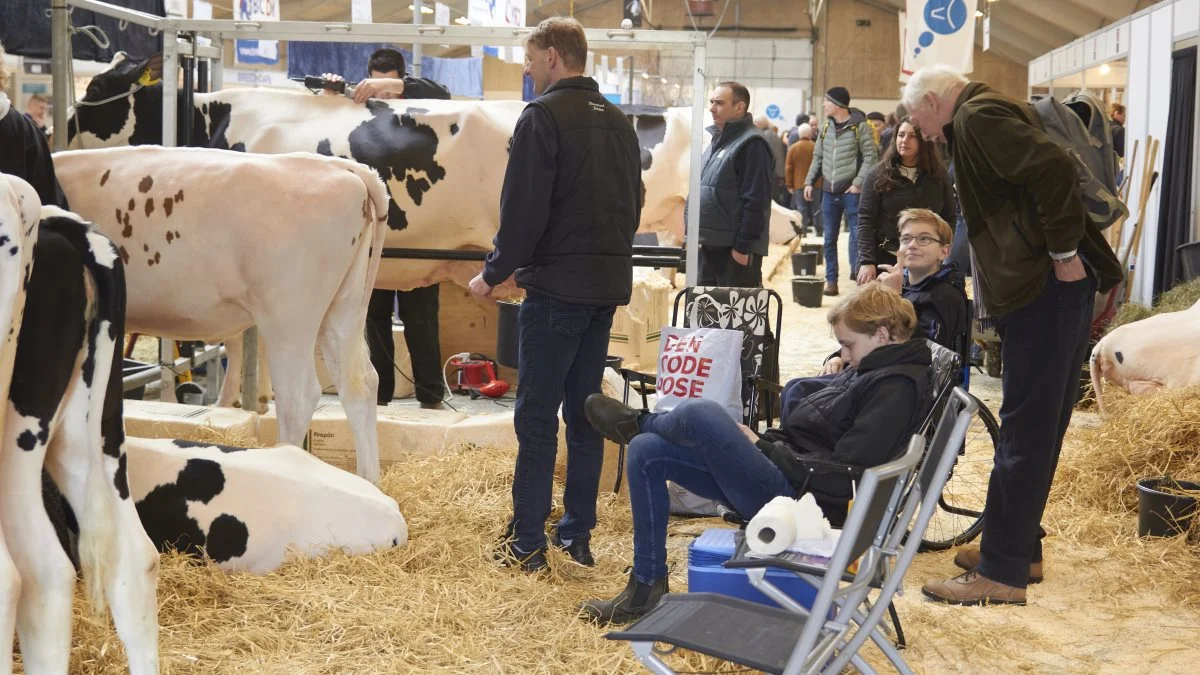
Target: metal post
(250, 370)
(217, 76)
(417, 51)
(699, 92)
(60, 66)
(170, 86)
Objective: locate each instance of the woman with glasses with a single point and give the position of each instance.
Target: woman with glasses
(910, 175)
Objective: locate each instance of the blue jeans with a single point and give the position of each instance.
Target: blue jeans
(832, 209)
(563, 347)
(810, 212)
(700, 448)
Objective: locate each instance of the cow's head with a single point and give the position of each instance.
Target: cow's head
(107, 114)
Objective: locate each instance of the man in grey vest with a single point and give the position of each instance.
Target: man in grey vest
(735, 193)
(568, 210)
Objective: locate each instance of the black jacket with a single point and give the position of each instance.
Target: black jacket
(421, 87)
(25, 154)
(571, 200)
(864, 417)
(940, 300)
(879, 212)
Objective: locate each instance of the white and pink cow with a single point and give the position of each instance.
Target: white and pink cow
(215, 242)
(1161, 351)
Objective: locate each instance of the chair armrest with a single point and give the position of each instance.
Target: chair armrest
(631, 376)
(767, 386)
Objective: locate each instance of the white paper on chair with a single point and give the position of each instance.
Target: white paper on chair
(785, 524)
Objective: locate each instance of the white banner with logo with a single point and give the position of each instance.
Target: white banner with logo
(937, 31)
(256, 51)
(503, 13)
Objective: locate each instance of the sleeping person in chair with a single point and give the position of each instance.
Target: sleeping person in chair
(862, 417)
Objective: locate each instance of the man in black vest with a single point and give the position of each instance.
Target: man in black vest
(418, 308)
(568, 210)
(735, 193)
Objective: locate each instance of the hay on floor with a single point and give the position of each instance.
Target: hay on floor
(1094, 499)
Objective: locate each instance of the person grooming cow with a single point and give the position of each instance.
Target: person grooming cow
(418, 308)
(568, 210)
(1039, 260)
(736, 179)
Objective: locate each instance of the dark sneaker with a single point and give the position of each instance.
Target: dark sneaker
(612, 419)
(579, 550)
(508, 554)
(630, 604)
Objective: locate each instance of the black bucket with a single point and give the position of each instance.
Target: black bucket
(508, 334)
(804, 264)
(813, 248)
(1161, 511)
(807, 290)
(614, 362)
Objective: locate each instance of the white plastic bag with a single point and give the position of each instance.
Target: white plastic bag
(700, 363)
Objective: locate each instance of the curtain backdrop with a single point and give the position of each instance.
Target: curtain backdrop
(1174, 213)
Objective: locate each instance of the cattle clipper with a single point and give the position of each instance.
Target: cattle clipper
(477, 376)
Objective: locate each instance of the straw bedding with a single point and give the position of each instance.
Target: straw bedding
(439, 604)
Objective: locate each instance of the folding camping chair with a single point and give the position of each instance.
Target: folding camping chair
(791, 640)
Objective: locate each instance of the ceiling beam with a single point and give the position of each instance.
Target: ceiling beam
(1109, 9)
(1018, 20)
(1006, 49)
(1076, 19)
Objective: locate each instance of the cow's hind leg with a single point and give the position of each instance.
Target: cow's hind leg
(294, 371)
(344, 347)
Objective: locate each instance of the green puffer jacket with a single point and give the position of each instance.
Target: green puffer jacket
(1020, 198)
(843, 157)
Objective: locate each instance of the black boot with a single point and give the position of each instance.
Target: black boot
(508, 554)
(630, 604)
(579, 549)
(612, 419)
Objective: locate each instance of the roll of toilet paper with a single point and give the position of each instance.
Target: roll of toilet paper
(783, 522)
(773, 529)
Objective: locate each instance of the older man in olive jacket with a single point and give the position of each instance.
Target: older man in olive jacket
(1039, 261)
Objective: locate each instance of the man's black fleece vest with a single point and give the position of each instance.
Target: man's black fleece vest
(585, 255)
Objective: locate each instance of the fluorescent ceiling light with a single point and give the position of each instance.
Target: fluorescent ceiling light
(978, 13)
(425, 9)
(462, 21)
(1105, 69)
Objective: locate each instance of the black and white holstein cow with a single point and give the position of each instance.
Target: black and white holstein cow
(215, 242)
(60, 371)
(248, 509)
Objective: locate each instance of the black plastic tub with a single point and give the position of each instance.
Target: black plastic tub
(1162, 511)
(508, 334)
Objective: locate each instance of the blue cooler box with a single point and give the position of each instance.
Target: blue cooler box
(709, 552)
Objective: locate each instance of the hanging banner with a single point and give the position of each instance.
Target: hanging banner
(938, 31)
(360, 11)
(502, 13)
(633, 12)
(257, 51)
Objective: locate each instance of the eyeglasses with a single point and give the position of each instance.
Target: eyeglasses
(923, 240)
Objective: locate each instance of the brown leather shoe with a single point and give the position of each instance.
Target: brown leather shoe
(968, 559)
(831, 288)
(971, 588)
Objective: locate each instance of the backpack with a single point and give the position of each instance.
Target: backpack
(1080, 127)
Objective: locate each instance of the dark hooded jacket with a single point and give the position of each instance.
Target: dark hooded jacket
(861, 418)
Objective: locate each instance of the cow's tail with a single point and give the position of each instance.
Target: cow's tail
(375, 221)
(106, 486)
(1096, 366)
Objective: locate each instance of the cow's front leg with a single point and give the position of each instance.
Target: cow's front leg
(10, 594)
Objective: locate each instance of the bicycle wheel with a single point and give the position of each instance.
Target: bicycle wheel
(959, 516)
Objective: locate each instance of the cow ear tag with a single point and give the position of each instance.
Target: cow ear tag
(146, 79)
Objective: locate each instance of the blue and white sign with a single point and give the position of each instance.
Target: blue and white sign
(938, 31)
(257, 51)
(772, 112)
